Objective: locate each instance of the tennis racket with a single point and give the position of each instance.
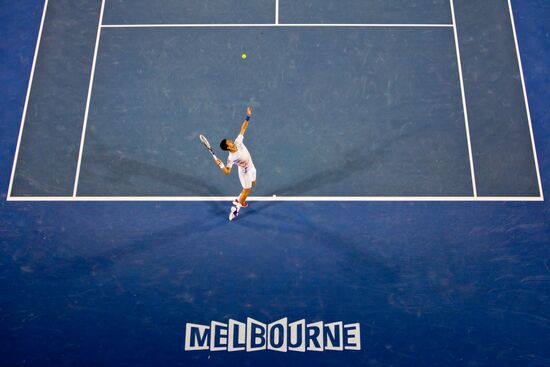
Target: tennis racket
(208, 146)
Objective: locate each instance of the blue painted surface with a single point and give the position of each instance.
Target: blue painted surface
(111, 284)
(189, 11)
(360, 11)
(51, 139)
(499, 127)
(338, 112)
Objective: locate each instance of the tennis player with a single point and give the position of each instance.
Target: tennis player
(239, 155)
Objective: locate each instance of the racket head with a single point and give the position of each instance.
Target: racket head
(205, 141)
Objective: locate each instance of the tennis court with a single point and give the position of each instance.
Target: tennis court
(401, 149)
(344, 110)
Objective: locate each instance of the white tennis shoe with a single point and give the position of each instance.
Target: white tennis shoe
(234, 212)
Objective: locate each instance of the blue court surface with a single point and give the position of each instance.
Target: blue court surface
(401, 149)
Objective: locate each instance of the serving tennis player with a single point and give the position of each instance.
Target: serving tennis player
(239, 155)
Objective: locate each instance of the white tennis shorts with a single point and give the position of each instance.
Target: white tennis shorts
(247, 176)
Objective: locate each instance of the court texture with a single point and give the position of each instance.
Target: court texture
(402, 154)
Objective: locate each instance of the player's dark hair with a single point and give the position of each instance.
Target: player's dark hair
(223, 144)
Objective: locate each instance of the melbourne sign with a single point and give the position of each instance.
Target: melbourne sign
(279, 336)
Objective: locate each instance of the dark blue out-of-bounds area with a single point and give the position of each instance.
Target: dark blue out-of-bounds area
(432, 284)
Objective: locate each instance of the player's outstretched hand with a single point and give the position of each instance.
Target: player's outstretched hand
(249, 111)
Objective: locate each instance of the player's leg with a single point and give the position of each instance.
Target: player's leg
(248, 180)
(243, 196)
(246, 183)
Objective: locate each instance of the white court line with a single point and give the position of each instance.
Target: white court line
(466, 123)
(90, 87)
(270, 25)
(276, 11)
(29, 87)
(270, 198)
(525, 97)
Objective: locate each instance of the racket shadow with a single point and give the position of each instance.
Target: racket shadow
(123, 170)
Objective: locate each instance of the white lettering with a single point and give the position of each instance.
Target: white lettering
(297, 336)
(352, 337)
(334, 336)
(255, 335)
(196, 337)
(276, 335)
(236, 336)
(279, 336)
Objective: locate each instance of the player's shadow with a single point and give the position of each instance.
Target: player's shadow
(122, 170)
(346, 256)
(354, 160)
(351, 162)
(349, 165)
(338, 173)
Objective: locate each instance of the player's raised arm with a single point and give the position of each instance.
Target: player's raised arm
(245, 123)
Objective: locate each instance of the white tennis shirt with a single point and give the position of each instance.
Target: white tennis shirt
(241, 157)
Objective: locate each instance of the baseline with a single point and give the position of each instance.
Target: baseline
(276, 198)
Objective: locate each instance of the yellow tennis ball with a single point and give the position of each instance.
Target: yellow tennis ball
(243, 56)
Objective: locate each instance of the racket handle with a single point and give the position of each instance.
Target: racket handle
(221, 165)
